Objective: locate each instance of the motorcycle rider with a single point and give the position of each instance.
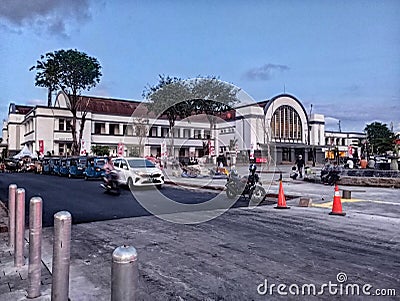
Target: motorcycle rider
(253, 177)
(109, 169)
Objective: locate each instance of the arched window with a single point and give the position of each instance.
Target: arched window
(286, 125)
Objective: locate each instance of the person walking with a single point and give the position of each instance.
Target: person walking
(300, 165)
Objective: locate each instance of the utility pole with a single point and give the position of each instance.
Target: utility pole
(313, 146)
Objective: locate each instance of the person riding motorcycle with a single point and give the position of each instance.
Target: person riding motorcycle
(110, 171)
(253, 177)
(249, 186)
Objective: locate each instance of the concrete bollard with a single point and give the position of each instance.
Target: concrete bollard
(124, 274)
(61, 256)
(346, 194)
(35, 247)
(12, 193)
(19, 228)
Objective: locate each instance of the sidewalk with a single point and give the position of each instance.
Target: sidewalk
(14, 280)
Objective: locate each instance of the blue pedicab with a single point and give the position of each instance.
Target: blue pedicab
(94, 168)
(77, 167)
(55, 170)
(64, 167)
(46, 166)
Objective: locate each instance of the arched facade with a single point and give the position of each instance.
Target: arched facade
(286, 125)
(287, 129)
(286, 120)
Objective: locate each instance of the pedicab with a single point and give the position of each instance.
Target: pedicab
(56, 167)
(94, 168)
(64, 167)
(77, 167)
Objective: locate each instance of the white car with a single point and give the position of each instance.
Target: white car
(135, 171)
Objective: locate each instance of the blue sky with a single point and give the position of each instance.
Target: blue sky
(341, 56)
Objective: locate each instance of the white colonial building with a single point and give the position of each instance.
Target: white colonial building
(277, 129)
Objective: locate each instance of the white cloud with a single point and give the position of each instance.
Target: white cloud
(36, 102)
(51, 16)
(265, 72)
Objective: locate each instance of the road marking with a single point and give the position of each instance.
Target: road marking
(329, 204)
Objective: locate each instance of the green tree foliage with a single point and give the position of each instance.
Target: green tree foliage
(176, 98)
(100, 150)
(169, 98)
(380, 139)
(72, 72)
(212, 96)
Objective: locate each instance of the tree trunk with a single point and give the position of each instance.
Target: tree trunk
(49, 91)
(81, 128)
(171, 126)
(74, 148)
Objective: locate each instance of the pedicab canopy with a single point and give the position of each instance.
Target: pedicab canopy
(25, 152)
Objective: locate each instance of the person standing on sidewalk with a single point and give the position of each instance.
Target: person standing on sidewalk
(300, 165)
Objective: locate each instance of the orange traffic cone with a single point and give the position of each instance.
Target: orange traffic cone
(337, 204)
(281, 198)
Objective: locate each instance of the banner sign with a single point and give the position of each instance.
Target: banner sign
(41, 147)
(211, 149)
(164, 153)
(350, 151)
(83, 148)
(121, 149)
(252, 152)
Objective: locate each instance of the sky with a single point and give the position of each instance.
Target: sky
(342, 57)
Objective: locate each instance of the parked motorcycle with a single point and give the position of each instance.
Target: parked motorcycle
(110, 183)
(249, 187)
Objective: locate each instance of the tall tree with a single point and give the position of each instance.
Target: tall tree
(47, 75)
(72, 72)
(169, 98)
(211, 96)
(379, 138)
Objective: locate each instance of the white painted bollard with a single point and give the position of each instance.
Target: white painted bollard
(12, 193)
(61, 256)
(19, 228)
(35, 247)
(124, 274)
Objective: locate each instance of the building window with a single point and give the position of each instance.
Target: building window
(176, 132)
(286, 124)
(61, 149)
(113, 129)
(98, 128)
(64, 148)
(186, 133)
(197, 134)
(61, 124)
(153, 131)
(164, 132)
(68, 124)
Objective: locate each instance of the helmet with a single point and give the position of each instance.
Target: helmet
(300, 156)
(252, 167)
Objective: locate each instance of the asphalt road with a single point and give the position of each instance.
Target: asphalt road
(87, 202)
